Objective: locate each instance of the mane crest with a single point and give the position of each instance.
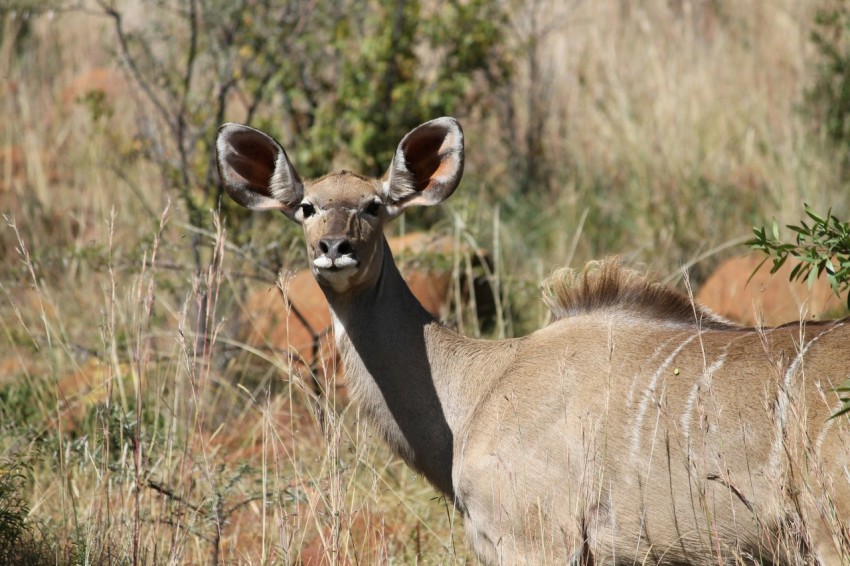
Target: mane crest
(606, 286)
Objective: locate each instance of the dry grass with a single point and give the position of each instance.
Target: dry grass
(671, 127)
(676, 125)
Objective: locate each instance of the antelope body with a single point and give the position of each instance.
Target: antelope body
(635, 428)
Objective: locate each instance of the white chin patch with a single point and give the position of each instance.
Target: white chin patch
(336, 273)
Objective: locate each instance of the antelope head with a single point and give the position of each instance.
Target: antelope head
(343, 214)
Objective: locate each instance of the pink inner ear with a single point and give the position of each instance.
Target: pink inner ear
(446, 168)
(422, 156)
(249, 146)
(251, 160)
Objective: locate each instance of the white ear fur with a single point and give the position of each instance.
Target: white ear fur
(427, 166)
(255, 170)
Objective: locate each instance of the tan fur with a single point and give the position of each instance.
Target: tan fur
(635, 429)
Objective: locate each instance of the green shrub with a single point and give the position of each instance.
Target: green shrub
(828, 99)
(326, 78)
(20, 542)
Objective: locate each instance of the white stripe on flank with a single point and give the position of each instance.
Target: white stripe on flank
(783, 398)
(649, 393)
(705, 380)
(630, 397)
(828, 424)
(825, 430)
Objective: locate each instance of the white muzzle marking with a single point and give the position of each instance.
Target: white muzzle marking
(345, 261)
(324, 262)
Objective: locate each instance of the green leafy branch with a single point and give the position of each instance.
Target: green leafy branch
(822, 247)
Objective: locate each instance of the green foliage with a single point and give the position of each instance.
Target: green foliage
(13, 507)
(822, 247)
(326, 78)
(420, 66)
(829, 97)
(20, 403)
(20, 542)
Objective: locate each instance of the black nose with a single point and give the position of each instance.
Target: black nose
(335, 247)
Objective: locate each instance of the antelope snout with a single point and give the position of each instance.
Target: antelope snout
(335, 253)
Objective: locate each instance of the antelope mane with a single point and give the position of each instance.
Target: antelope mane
(607, 286)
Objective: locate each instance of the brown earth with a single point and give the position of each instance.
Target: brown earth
(766, 299)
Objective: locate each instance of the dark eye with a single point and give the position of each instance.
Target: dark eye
(307, 209)
(373, 208)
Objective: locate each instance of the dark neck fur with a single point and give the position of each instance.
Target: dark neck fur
(381, 334)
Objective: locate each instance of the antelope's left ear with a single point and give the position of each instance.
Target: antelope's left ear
(427, 166)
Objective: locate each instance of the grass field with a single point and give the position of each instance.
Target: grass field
(136, 426)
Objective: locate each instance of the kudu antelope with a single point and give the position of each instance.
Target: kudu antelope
(635, 428)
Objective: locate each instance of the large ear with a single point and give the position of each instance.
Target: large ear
(427, 165)
(255, 171)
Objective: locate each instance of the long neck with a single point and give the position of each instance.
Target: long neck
(417, 381)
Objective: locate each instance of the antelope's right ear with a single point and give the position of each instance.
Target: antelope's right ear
(255, 171)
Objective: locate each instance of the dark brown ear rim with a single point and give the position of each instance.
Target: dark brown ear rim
(428, 163)
(254, 169)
